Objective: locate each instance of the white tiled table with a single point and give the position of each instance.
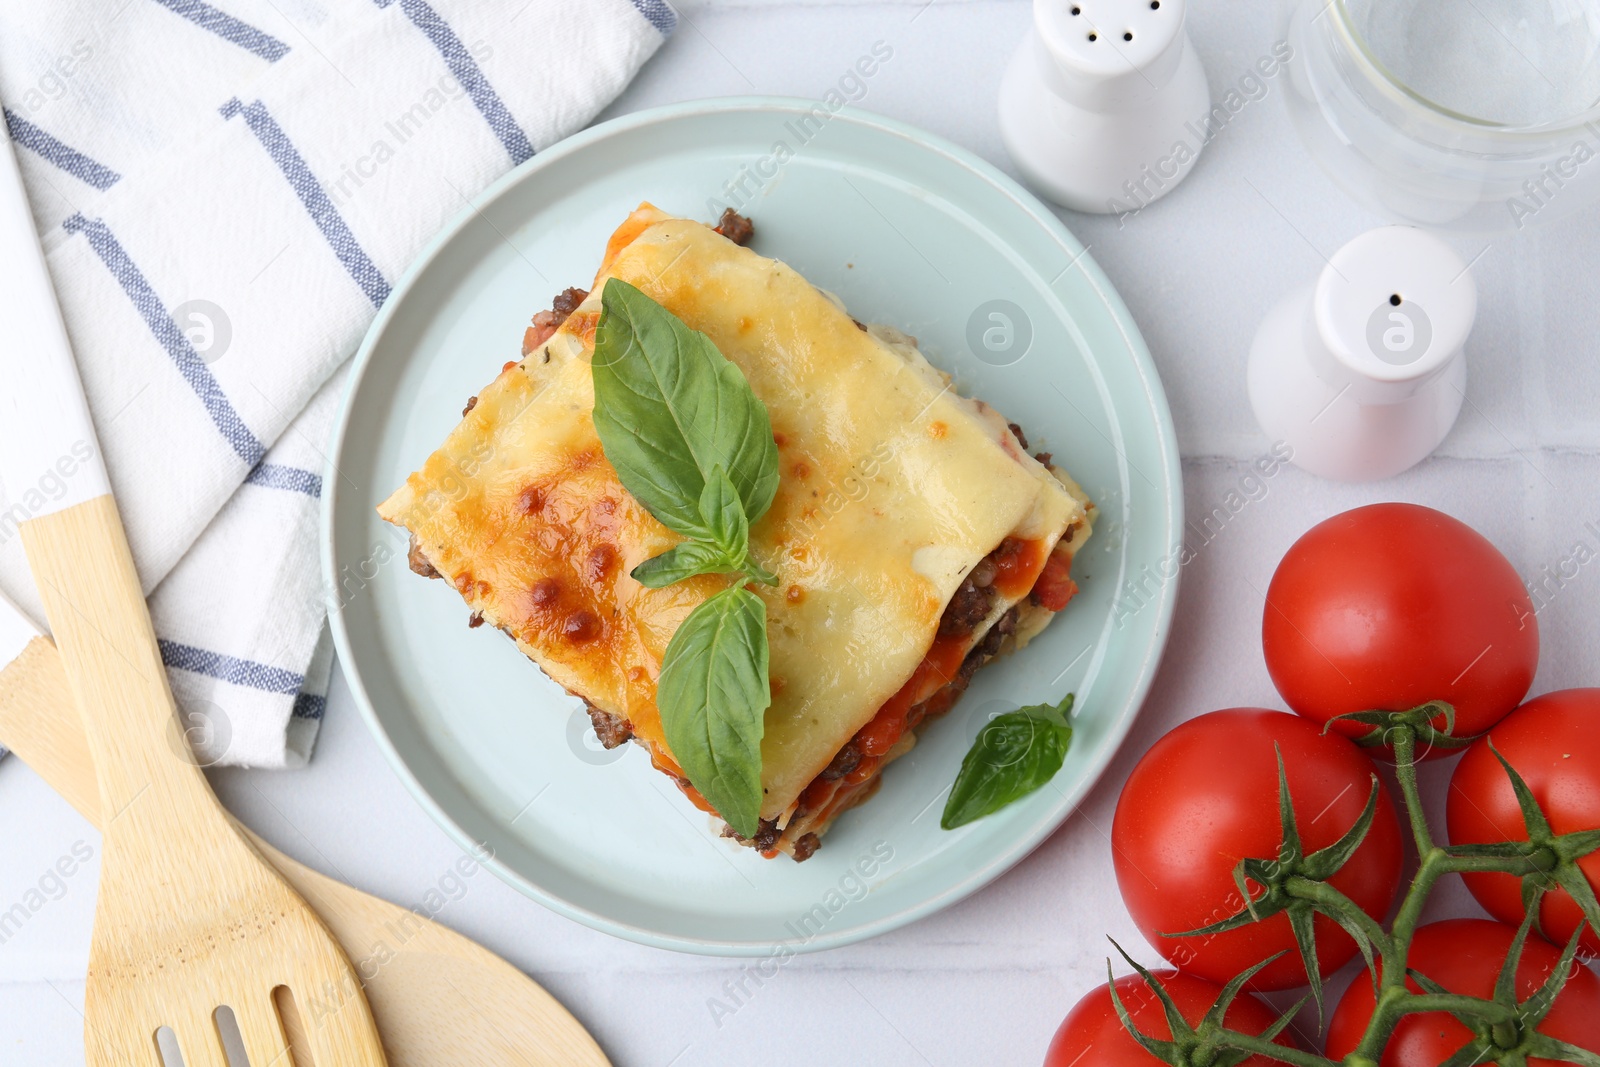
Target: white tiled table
(987, 981)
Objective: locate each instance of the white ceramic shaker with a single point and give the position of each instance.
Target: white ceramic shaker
(1100, 106)
(1362, 373)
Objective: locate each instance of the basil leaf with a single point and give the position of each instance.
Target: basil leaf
(757, 573)
(1014, 754)
(669, 409)
(723, 514)
(686, 561)
(713, 695)
(692, 443)
(727, 551)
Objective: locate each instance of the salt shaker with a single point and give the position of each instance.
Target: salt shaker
(1100, 106)
(1362, 374)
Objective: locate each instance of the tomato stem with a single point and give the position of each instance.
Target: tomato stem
(1260, 1046)
(1393, 995)
(1455, 1004)
(1342, 910)
(1405, 769)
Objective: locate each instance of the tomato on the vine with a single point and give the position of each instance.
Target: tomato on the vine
(1389, 606)
(1093, 1025)
(1465, 956)
(1553, 742)
(1206, 796)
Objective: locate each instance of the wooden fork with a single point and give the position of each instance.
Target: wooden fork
(190, 917)
(440, 1000)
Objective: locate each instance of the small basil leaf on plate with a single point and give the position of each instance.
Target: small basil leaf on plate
(713, 694)
(670, 408)
(1014, 754)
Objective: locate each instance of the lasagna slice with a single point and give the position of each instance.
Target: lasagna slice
(913, 535)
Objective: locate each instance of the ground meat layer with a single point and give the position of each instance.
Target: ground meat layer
(546, 323)
(735, 227)
(612, 730)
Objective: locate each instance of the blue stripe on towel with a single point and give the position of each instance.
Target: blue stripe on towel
(309, 706)
(61, 155)
(311, 194)
(295, 480)
(660, 14)
(470, 75)
(166, 331)
(242, 672)
(229, 28)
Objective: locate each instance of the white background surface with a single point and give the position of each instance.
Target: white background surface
(987, 981)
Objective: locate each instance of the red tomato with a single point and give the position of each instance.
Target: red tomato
(1553, 741)
(1206, 796)
(1392, 605)
(1464, 956)
(1093, 1024)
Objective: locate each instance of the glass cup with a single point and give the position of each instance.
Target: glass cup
(1479, 116)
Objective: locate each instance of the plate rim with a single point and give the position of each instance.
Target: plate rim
(1171, 486)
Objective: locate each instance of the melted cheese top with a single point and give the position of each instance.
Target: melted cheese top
(892, 488)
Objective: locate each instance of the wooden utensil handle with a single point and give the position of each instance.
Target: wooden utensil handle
(33, 695)
(75, 543)
(439, 999)
(85, 574)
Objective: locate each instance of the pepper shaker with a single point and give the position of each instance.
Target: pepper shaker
(1098, 105)
(1362, 373)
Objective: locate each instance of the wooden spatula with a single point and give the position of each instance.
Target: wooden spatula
(440, 999)
(191, 919)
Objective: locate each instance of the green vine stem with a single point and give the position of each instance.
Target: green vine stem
(1543, 855)
(1271, 1050)
(1405, 769)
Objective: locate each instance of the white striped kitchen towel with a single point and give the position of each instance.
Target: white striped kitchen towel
(226, 191)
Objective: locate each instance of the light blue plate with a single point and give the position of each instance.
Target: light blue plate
(909, 230)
